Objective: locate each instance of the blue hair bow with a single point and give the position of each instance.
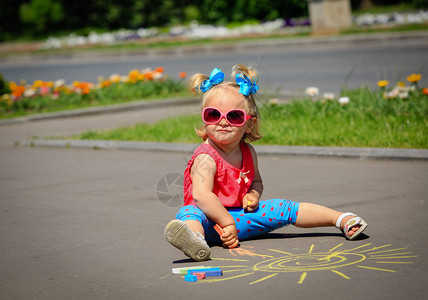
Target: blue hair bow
(246, 86)
(216, 77)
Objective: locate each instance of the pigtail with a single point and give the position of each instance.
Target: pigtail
(252, 75)
(249, 72)
(195, 82)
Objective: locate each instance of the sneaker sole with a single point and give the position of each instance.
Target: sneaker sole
(182, 237)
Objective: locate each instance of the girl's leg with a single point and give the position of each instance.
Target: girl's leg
(313, 215)
(270, 215)
(195, 226)
(187, 233)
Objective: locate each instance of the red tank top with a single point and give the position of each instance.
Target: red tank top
(230, 183)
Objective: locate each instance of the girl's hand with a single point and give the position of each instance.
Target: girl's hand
(229, 236)
(250, 202)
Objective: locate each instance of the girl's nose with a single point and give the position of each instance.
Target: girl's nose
(223, 122)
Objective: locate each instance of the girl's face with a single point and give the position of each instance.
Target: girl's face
(223, 133)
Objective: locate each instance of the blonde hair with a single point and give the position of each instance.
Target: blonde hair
(218, 91)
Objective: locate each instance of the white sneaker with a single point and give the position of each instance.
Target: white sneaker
(183, 238)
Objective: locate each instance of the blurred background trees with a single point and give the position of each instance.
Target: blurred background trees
(39, 18)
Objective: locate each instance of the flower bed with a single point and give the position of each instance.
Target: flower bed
(41, 96)
(400, 91)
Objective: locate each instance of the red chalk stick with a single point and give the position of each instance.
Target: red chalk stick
(200, 275)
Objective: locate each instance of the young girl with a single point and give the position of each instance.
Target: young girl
(222, 183)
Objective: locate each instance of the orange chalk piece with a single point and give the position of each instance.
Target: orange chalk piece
(218, 229)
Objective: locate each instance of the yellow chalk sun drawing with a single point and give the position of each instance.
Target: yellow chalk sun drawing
(365, 256)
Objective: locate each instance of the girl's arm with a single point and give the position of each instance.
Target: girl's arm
(250, 202)
(203, 172)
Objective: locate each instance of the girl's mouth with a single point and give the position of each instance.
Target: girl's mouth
(223, 130)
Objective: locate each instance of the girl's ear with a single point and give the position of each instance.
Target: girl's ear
(250, 125)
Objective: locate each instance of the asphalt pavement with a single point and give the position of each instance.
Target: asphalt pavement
(81, 223)
(285, 64)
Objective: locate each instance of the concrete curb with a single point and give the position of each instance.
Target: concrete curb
(114, 108)
(360, 153)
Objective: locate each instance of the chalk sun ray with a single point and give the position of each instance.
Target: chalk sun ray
(377, 269)
(302, 278)
(280, 251)
(391, 254)
(264, 278)
(375, 248)
(390, 250)
(394, 257)
(331, 250)
(223, 279)
(394, 262)
(340, 274)
(230, 259)
(237, 270)
(362, 246)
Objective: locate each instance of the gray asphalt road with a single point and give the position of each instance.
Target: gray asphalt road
(88, 224)
(285, 66)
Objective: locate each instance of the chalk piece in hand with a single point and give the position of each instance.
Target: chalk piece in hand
(218, 229)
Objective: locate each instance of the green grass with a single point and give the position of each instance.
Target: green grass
(380, 29)
(174, 130)
(367, 121)
(385, 9)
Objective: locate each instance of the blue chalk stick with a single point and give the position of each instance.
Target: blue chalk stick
(190, 278)
(203, 270)
(214, 273)
(209, 272)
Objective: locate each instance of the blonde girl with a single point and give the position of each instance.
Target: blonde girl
(222, 182)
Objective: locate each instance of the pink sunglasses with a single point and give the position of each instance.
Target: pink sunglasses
(235, 117)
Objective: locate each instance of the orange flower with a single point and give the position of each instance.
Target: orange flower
(47, 84)
(86, 87)
(149, 76)
(159, 70)
(83, 87)
(18, 91)
(425, 91)
(382, 83)
(105, 83)
(182, 75)
(414, 78)
(133, 75)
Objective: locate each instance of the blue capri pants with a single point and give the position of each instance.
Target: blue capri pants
(270, 215)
